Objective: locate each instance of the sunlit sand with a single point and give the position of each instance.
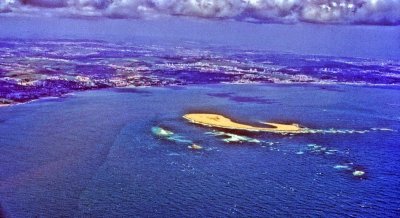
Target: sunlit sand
(219, 121)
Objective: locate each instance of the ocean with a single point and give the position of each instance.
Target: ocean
(94, 153)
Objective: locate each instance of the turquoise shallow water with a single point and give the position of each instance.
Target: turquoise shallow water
(94, 153)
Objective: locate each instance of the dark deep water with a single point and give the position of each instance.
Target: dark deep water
(93, 154)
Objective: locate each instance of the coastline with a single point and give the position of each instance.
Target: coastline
(316, 84)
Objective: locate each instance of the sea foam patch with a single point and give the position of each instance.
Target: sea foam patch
(171, 136)
(233, 138)
(344, 131)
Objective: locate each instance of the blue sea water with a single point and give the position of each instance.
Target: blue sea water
(94, 154)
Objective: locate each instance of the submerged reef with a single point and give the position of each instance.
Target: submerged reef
(233, 138)
(355, 171)
(230, 132)
(228, 135)
(171, 136)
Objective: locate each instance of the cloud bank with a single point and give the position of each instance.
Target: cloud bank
(374, 12)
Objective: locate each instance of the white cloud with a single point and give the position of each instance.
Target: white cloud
(379, 12)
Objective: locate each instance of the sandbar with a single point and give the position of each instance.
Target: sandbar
(220, 121)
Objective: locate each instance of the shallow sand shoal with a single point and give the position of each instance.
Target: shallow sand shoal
(219, 121)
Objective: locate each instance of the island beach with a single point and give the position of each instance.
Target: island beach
(219, 121)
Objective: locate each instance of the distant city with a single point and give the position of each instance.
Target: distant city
(31, 69)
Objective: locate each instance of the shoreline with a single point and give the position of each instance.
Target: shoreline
(2, 105)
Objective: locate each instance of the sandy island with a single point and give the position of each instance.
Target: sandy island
(219, 121)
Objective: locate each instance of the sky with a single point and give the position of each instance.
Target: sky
(356, 28)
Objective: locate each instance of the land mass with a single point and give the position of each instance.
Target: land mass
(32, 69)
